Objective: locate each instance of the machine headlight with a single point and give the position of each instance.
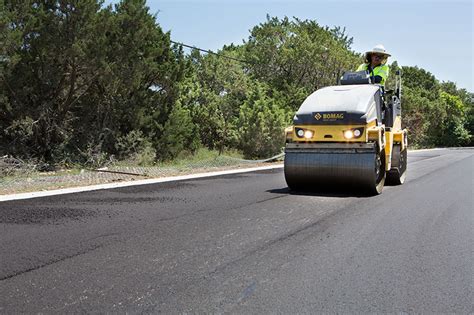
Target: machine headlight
(308, 134)
(304, 133)
(348, 134)
(353, 133)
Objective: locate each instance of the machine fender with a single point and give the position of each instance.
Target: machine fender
(388, 150)
(376, 134)
(289, 133)
(401, 137)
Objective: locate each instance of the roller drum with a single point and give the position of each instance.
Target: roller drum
(319, 168)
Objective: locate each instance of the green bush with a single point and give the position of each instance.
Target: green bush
(179, 134)
(262, 121)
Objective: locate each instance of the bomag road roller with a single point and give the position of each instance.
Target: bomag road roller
(348, 136)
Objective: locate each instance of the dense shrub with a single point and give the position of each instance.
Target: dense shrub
(80, 82)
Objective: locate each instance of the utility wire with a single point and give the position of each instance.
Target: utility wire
(211, 52)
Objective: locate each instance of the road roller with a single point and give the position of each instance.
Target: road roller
(348, 136)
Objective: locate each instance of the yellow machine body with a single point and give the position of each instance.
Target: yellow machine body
(347, 137)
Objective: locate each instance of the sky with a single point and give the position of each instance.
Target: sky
(436, 35)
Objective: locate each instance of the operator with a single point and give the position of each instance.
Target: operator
(375, 63)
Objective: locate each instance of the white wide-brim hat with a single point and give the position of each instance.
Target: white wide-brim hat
(378, 49)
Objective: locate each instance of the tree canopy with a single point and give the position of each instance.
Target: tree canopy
(80, 81)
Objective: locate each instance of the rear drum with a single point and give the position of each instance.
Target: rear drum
(398, 171)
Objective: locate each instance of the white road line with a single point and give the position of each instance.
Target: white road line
(422, 150)
(148, 181)
(128, 184)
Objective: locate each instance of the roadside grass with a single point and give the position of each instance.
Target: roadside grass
(203, 160)
(201, 157)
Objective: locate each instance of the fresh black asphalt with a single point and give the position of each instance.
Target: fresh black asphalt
(245, 244)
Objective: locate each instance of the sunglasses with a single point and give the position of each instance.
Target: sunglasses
(377, 56)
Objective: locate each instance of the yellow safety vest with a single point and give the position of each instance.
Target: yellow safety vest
(381, 70)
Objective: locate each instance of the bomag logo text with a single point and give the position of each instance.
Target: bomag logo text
(333, 116)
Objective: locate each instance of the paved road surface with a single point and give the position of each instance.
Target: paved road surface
(244, 244)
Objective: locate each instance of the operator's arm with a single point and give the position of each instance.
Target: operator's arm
(376, 79)
(381, 74)
(378, 75)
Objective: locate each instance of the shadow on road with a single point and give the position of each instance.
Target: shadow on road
(321, 192)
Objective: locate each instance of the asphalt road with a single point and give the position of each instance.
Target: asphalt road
(245, 244)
